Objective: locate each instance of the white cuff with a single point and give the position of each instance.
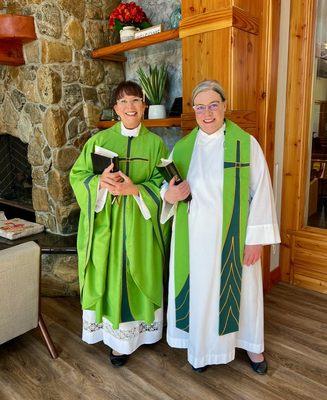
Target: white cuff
(101, 198)
(168, 210)
(262, 234)
(143, 208)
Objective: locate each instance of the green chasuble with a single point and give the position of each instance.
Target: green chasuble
(235, 214)
(120, 254)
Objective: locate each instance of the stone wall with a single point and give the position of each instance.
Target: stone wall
(53, 104)
(53, 101)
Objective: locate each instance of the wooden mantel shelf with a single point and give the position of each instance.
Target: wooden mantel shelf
(114, 53)
(15, 30)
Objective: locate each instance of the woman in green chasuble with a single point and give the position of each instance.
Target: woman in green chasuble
(215, 301)
(121, 243)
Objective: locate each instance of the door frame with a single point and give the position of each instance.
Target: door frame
(297, 126)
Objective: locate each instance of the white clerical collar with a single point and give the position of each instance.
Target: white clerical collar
(130, 132)
(207, 136)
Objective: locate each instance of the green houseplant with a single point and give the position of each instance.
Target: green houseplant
(153, 85)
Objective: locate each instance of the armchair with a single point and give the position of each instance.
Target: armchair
(20, 293)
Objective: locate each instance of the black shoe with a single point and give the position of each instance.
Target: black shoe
(118, 361)
(200, 369)
(260, 368)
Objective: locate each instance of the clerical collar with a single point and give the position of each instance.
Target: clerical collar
(130, 132)
(220, 131)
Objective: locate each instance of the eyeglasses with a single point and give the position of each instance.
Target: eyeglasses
(134, 102)
(201, 108)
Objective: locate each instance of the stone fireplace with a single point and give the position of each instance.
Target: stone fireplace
(15, 179)
(52, 105)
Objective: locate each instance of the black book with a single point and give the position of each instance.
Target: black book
(168, 170)
(100, 163)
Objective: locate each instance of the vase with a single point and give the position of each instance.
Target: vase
(157, 111)
(175, 17)
(127, 33)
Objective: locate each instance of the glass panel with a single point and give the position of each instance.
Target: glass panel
(316, 209)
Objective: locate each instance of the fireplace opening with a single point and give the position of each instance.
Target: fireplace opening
(15, 179)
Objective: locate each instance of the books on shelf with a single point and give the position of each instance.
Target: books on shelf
(16, 228)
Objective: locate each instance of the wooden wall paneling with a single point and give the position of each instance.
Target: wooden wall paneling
(253, 7)
(245, 118)
(194, 7)
(205, 56)
(308, 262)
(309, 282)
(206, 22)
(316, 273)
(219, 19)
(243, 84)
(267, 80)
(245, 21)
(297, 125)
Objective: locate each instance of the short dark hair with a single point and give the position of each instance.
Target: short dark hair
(127, 87)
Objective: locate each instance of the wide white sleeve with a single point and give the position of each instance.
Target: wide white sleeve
(262, 227)
(101, 199)
(168, 210)
(142, 206)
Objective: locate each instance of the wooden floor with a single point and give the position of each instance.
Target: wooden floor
(296, 349)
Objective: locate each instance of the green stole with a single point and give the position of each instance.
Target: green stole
(235, 214)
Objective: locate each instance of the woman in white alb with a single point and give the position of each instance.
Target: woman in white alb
(204, 180)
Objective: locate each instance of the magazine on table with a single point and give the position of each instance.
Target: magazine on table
(16, 228)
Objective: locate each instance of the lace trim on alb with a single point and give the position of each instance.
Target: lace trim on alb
(122, 334)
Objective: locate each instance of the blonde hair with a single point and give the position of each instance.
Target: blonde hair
(209, 84)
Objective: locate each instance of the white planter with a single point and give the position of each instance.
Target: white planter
(157, 111)
(127, 33)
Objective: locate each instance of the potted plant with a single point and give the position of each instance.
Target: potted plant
(153, 85)
(126, 18)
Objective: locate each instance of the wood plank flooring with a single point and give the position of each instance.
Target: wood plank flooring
(296, 349)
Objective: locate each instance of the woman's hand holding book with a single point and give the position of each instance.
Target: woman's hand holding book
(177, 193)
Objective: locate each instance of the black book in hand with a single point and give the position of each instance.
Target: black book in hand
(168, 170)
(100, 163)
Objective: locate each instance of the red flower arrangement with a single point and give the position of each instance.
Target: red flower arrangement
(127, 14)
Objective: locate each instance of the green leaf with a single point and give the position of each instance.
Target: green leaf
(153, 83)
